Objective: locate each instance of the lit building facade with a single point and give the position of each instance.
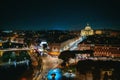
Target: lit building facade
(87, 31)
(107, 51)
(108, 33)
(98, 32)
(54, 49)
(101, 50)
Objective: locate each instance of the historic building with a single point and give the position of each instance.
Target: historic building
(98, 32)
(101, 50)
(87, 31)
(54, 49)
(109, 33)
(107, 51)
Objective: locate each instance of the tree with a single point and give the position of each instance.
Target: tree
(24, 54)
(72, 54)
(13, 56)
(66, 55)
(6, 56)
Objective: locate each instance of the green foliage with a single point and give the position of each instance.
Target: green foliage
(24, 55)
(65, 55)
(15, 55)
(6, 56)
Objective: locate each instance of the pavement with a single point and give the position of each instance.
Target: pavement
(48, 63)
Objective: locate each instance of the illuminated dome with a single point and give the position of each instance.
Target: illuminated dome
(87, 31)
(87, 27)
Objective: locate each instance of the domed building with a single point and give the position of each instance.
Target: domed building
(87, 31)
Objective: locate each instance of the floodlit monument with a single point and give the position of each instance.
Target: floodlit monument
(87, 31)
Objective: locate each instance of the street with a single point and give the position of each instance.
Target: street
(48, 63)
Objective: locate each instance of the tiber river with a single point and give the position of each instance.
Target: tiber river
(18, 72)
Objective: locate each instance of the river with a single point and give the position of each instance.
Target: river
(20, 72)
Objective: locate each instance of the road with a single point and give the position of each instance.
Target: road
(74, 45)
(48, 63)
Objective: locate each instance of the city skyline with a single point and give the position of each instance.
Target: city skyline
(60, 15)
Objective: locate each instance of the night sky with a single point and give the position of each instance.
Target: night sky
(59, 14)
